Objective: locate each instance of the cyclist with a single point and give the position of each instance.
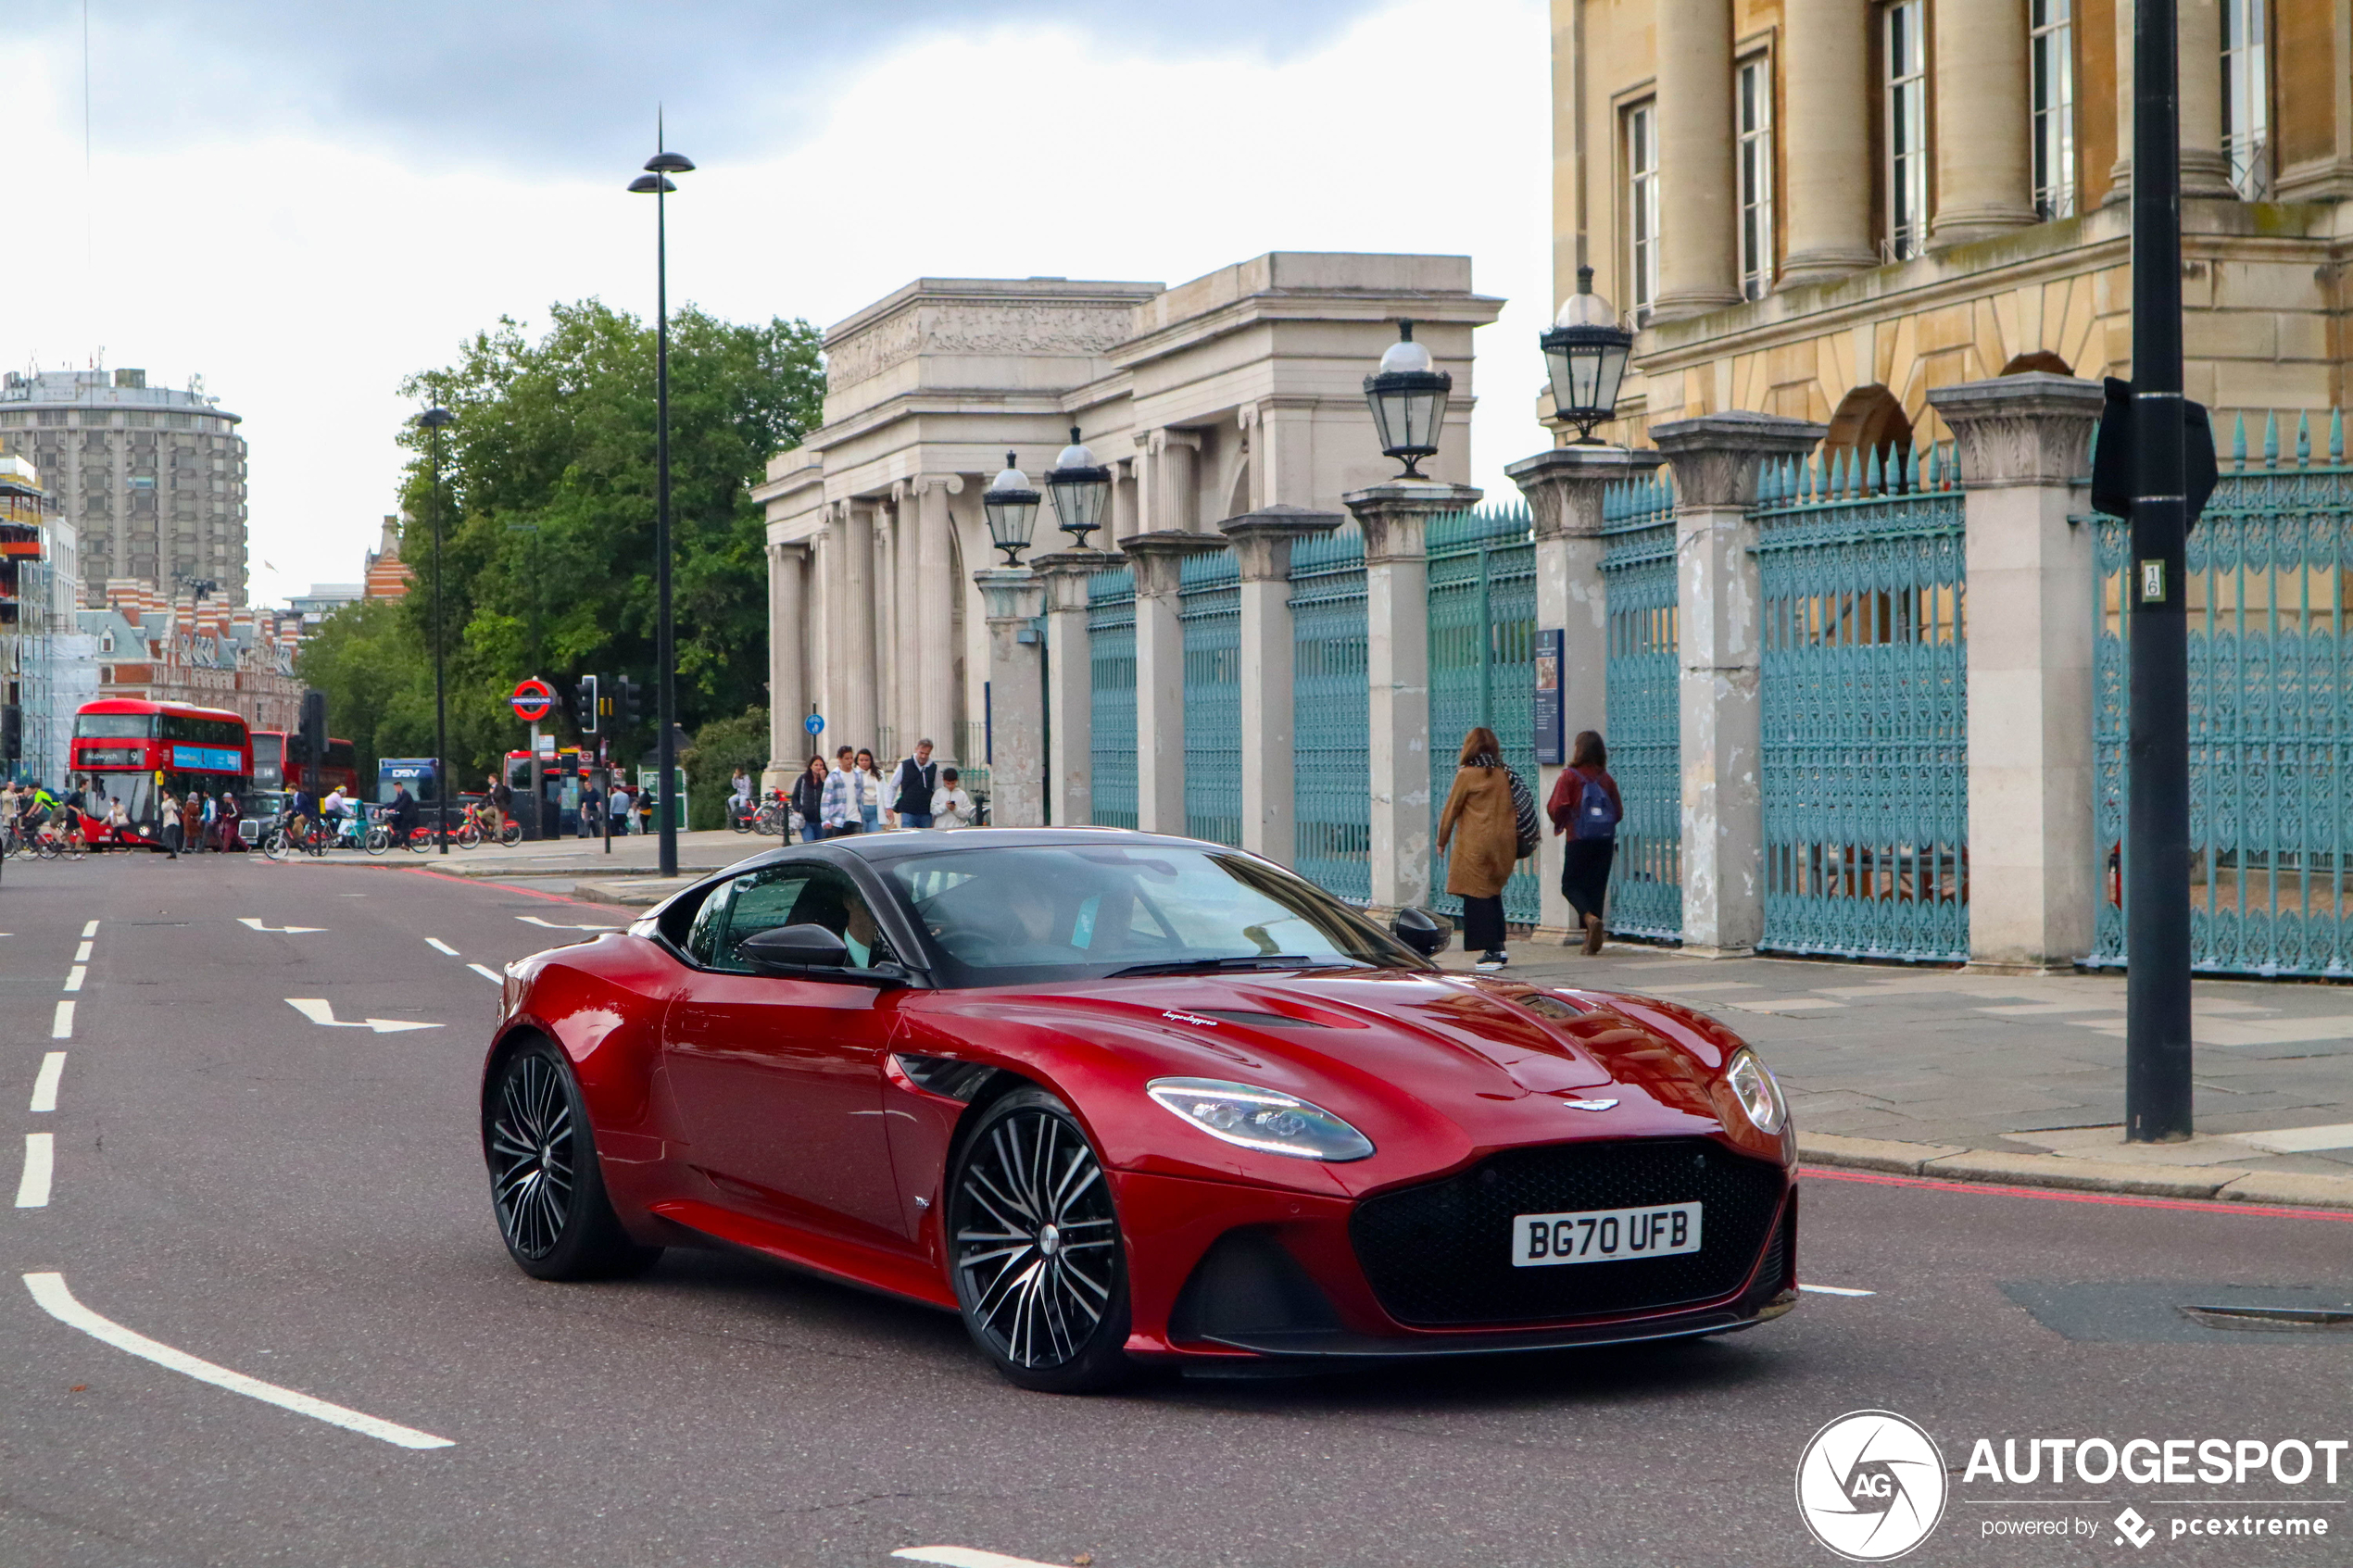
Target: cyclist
(497, 800)
(348, 824)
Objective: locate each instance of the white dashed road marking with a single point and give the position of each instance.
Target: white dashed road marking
(40, 1160)
(82, 954)
(1835, 1290)
(439, 946)
(45, 1085)
(75, 976)
(488, 973)
(320, 1011)
(90, 930)
(49, 1290)
(965, 1557)
(61, 1027)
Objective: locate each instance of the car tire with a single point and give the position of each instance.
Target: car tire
(1035, 1249)
(547, 1185)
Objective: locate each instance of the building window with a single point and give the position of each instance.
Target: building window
(1903, 101)
(1755, 107)
(2053, 66)
(2247, 98)
(1642, 209)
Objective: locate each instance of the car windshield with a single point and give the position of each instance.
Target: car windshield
(1008, 915)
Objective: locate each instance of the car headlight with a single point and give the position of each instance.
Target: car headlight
(1265, 1120)
(1752, 1084)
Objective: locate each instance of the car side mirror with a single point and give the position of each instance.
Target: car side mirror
(1420, 929)
(789, 949)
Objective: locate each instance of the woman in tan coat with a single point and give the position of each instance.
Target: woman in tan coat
(1483, 832)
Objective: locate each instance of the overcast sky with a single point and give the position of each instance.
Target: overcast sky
(303, 204)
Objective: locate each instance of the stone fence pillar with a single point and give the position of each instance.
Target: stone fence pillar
(2033, 871)
(1016, 700)
(1716, 458)
(1261, 547)
(1564, 487)
(1070, 684)
(1159, 561)
(787, 675)
(1394, 518)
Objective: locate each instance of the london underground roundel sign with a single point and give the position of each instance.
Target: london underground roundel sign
(533, 701)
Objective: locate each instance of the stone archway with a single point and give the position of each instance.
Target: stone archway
(2040, 360)
(1869, 419)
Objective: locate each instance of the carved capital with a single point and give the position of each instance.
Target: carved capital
(1159, 559)
(1716, 455)
(1263, 538)
(1014, 594)
(1066, 575)
(1564, 485)
(952, 482)
(2028, 429)
(1394, 515)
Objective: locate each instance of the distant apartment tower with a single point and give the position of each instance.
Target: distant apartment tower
(152, 479)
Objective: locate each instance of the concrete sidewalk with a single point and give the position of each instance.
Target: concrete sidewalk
(2017, 1078)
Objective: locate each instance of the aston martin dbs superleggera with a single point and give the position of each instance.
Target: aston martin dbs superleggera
(1120, 1099)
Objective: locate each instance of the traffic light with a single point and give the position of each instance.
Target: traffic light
(586, 714)
(633, 702)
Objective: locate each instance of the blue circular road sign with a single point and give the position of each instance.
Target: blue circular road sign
(814, 724)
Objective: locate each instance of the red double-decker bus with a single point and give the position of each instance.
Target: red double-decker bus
(128, 746)
(277, 763)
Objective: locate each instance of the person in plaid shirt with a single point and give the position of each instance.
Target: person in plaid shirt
(840, 815)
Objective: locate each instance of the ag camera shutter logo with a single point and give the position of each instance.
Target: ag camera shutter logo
(1870, 1486)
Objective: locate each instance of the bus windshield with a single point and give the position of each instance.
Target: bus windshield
(114, 726)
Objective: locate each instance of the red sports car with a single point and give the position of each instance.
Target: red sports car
(1120, 1099)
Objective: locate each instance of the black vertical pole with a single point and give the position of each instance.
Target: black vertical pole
(440, 693)
(665, 749)
(2157, 915)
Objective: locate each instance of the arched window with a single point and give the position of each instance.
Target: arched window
(1869, 419)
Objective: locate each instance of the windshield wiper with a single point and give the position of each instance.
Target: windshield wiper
(1240, 961)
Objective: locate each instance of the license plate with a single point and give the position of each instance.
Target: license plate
(1603, 1235)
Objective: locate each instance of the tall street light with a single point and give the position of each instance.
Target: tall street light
(433, 420)
(655, 182)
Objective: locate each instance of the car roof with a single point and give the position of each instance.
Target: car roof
(880, 847)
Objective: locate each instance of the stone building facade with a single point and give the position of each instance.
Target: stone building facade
(152, 479)
(1824, 209)
(1231, 393)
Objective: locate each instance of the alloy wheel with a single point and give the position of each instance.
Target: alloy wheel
(1037, 1240)
(531, 1154)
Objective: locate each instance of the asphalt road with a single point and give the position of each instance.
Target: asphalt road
(305, 1205)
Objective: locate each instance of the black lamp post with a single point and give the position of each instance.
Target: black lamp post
(1408, 400)
(434, 420)
(656, 182)
(1081, 489)
(1010, 507)
(1585, 351)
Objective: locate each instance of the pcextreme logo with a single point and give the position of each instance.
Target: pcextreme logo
(1870, 1486)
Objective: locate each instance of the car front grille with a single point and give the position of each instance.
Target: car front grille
(1440, 1255)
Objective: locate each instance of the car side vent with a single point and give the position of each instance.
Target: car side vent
(945, 1076)
(1259, 1020)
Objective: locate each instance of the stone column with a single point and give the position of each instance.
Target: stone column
(1699, 202)
(1016, 697)
(1394, 518)
(1827, 140)
(2205, 172)
(2034, 863)
(787, 678)
(1715, 460)
(1261, 547)
(1122, 499)
(906, 706)
(1176, 466)
(1564, 487)
(887, 660)
(1985, 175)
(1070, 684)
(857, 644)
(825, 625)
(1158, 559)
(936, 589)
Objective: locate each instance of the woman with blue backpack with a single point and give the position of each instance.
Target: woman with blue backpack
(1586, 807)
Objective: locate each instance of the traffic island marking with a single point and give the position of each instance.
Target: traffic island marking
(252, 923)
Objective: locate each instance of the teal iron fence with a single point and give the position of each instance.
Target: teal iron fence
(1482, 666)
(1209, 608)
(1331, 718)
(1111, 645)
(1643, 727)
(2271, 666)
(1864, 688)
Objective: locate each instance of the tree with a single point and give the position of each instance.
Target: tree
(720, 748)
(548, 540)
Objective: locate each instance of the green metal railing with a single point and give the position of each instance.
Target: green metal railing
(1482, 666)
(2269, 573)
(1110, 633)
(1209, 610)
(1643, 727)
(1330, 714)
(1865, 696)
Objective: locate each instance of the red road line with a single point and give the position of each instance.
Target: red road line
(2052, 1195)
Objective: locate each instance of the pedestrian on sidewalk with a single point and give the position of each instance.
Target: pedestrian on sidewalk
(869, 791)
(621, 804)
(913, 784)
(1587, 807)
(950, 807)
(808, 800)
(227, 817)
(592, 801)
(1482, 826)
(168, 815)
(840, 815)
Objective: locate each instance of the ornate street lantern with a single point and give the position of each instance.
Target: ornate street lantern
(1010, 507)
(1081, 489)
(1408, 400)
(1586, 353)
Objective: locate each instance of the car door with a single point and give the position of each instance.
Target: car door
(778, 1079)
